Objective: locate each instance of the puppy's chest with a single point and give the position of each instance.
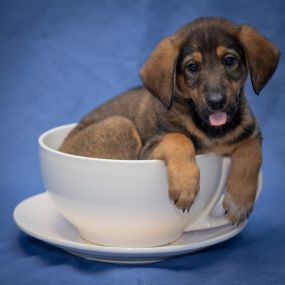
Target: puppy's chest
(201, 142)
(216, 147)
(205, 145)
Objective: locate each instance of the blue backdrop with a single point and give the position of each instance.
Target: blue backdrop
(58, 60)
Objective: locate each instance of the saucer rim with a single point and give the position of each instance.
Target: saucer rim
(165, 249)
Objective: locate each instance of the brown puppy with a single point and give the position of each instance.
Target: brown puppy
(192, 102)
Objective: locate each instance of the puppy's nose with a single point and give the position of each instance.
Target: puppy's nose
(216, 101)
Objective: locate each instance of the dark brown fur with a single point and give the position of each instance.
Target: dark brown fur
(168, 117)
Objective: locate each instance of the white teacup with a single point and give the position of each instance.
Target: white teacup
(125, 203)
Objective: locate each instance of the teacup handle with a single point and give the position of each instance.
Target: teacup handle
(207, 220)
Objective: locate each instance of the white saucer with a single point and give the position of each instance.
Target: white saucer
(36, 217)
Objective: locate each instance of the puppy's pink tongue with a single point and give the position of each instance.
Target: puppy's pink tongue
(218, 119)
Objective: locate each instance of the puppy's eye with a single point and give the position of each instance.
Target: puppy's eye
(229, 61)
(193, 67)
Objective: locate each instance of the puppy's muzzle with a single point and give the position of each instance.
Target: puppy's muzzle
(216, 101)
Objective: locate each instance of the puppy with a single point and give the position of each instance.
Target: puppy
(192, 102)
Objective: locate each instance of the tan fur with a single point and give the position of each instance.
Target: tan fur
(256, 47)
(182, 89)
(222, 51)
(115, 138)
(242, 181)
(183, 174)
(161, 80)
(197, 56)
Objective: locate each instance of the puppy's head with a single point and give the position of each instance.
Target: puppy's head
(205, 64)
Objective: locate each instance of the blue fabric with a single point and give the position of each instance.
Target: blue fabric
(58, 60)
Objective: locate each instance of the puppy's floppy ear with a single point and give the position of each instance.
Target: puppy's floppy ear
(159, 72)
(261, 55)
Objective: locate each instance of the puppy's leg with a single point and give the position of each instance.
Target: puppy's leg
(114, 138)
(183, 174)
(242, 181)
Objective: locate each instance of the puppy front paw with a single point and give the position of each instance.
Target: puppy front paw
(237, 209)
(184, 184)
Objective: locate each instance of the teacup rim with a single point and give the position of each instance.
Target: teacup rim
(44, 146)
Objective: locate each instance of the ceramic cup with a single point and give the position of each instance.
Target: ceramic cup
(125, 203)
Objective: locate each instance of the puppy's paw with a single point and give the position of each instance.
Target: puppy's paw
(183, 199)
(237, 209)
(184, 184)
